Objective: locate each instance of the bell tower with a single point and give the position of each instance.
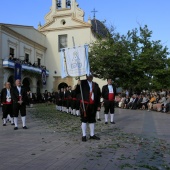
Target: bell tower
(61, 4)
(64, 7)
(54, 5)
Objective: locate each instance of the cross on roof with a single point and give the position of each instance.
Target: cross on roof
(94, 11)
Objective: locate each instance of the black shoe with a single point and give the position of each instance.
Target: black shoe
(112, 122)
(106, 123)
(99, 119)
(25, 127)
(12, 124)
(84, 139)
(4, 124)
(94, 137)
(15, 128)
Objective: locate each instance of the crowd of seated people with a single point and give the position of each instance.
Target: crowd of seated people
(156, 101)
(17, 60)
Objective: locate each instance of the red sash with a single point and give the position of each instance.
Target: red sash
(85, 102)
(19, 98)
(111, 96)
(7, 102)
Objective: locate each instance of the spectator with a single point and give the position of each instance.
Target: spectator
(122, 102)
(166, 104)
(127, 99)
(144, 102)
(151, 102)
(139, 104)
(158, 105)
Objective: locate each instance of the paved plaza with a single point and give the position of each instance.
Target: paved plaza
(139, 140)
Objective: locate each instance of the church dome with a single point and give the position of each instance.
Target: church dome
(99, 28)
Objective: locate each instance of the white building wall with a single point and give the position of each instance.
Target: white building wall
(20, 48)
(7, 42)
(29, 32)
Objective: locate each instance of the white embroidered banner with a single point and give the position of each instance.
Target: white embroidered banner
(74, 61)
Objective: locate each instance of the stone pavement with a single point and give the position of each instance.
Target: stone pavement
(122, 146)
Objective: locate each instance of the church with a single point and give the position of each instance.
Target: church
(37, 51)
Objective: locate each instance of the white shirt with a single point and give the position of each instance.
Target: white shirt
(8, 94)
(19, 89)
(90, 85)
(110, 88)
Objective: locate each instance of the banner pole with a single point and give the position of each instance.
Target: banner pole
(84, 110)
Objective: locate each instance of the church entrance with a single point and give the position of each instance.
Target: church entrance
(11, 80)
(26, 83)
(62, 85)
(38, 91)
(39, 86)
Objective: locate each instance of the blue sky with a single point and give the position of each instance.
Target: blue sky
(123, 14)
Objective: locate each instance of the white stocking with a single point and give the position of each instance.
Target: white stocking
(4, 120)
(111, 117)
(106, 117)
(83, 127)
(23, 120)
(16, 121)
(91, 126)
(98, 116)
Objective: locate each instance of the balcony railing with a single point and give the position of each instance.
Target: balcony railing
(37, 69)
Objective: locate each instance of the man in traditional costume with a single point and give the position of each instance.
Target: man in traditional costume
(108, 94)
(6, 102)
(89, 103)
(19, 97)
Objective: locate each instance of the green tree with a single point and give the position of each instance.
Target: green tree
(135, 59)
(109, 57)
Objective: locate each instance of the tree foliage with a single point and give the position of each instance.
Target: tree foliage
(133, 60)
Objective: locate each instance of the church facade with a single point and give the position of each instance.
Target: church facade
(38, 50)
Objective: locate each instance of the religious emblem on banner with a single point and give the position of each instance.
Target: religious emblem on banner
(76, 62)
(17, 71)
(43, 74)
